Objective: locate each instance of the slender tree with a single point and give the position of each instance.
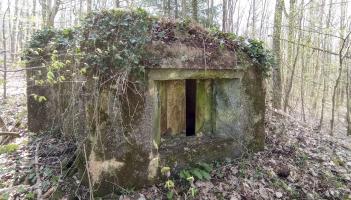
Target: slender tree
(49, 11)
(292, 63)
(225, 15)
(276, 75)
(195, 7)
(89, 5)
(4, 40)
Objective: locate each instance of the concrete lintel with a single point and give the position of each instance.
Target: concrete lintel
(174, 74)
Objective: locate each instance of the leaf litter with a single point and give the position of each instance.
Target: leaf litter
(297, 163)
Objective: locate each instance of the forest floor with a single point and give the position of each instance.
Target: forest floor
(298, 162)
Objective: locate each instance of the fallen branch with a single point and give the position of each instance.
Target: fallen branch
(283, 114)
(19, 187)
(22, 69)
(48, 193)
(13, 134)
(36, 160)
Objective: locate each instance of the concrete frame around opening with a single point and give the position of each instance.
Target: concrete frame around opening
(154, 77)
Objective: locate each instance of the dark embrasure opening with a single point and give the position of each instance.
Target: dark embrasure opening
(190, 93)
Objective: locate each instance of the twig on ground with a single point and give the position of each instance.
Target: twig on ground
(282, 113)
(48, 193)
(87, 168)
(36, 160)
(13, 134)
(10, 189)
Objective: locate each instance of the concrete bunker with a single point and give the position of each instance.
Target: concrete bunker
(196, 97)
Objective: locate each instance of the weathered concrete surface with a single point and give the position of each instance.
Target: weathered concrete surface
(123, 146)
(125, 128)
(181, 56)
(119, 148)
(253, 108)
(41, 115)
(62, 111)
(226, 113)
(204, 107)
(180, 152)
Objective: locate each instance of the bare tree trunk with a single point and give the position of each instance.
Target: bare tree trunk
(348, 103)
(184, 10)
(343, 45)
(194, 5)
(231, 12)
(14, 33)
(208, 21)
(253, 32)
(34, 14)
(5, 49)
(225, 14)
(176, 11)
(337, 82)
(302, 94)
(52, 13)
(291, 37)
(247, 31)
(117, 4)
(277, 82)
(21, 30)
(168, 8)
(238, 21)
(89, 6)
(49, 11)
(263, 17)
(325, 88)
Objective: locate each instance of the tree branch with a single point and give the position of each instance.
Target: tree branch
(14, 134)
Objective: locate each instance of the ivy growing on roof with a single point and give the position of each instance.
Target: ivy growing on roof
(116, 40)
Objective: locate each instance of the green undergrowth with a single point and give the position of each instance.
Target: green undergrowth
(8, 148)
(115, 41)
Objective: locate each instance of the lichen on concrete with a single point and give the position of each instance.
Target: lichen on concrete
(97, 167)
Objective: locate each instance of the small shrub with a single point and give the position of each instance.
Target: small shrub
(201, 172)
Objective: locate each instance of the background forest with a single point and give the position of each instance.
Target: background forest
(308, 128)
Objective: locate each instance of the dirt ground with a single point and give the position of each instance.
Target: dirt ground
(298, 162)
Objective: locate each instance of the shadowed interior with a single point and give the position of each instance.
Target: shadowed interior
(190, 92)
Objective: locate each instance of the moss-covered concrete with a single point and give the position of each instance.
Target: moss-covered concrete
(226, 111)
(182, 151)
(204, 107)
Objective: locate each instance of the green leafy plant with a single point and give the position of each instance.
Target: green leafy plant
(30, 196)
(8, 148)
(302, 159)
(4, 196)
(169, 184)
(201, 172)
(39, 98)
